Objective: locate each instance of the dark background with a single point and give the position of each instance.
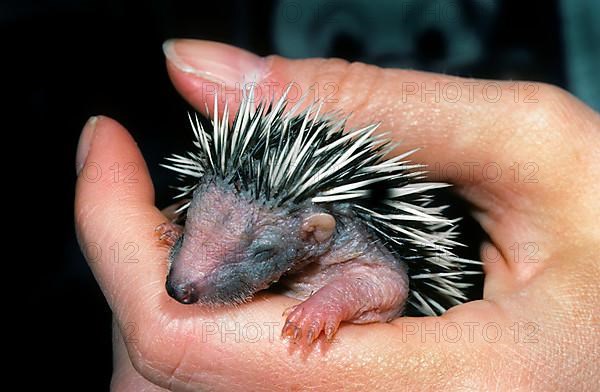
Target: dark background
(73, 59)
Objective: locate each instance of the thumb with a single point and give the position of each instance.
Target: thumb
(450, 118)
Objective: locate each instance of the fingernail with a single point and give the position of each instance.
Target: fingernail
(214, 61)
(85, 141)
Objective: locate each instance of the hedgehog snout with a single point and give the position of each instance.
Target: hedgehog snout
(185, 293)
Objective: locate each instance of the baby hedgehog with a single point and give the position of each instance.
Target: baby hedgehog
(290, 196)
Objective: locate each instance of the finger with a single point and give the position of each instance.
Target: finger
(125, 377)
(459, 133)
(115, 213)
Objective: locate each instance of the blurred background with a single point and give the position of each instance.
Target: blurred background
(72, 59)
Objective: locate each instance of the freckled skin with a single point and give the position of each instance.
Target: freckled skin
(233, 246)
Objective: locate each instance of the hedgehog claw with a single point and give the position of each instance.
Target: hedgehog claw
(305, 323)
(330, 331)
(290, 331)
(168, 233)
(310, 335)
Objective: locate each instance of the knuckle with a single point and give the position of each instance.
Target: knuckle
(347, 85)
(549, 120)
(145, 345)
(145, 356)
(355, 82)
(553, 108)
(550, 92)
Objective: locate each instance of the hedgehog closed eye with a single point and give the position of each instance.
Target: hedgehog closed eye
(350, 225)
(264, 252)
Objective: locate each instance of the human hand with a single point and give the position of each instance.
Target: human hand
(537, 326)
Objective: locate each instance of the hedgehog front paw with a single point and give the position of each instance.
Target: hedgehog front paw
(305, 322)
(168, 233)
(362, 294)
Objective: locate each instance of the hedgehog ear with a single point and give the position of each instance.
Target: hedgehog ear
(321, 226)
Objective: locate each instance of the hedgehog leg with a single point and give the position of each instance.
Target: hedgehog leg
(362, 293)
(168, 233)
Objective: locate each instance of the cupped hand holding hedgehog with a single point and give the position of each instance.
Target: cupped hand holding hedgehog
(342, 220)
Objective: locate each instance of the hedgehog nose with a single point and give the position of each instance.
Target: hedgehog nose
(184, 292)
